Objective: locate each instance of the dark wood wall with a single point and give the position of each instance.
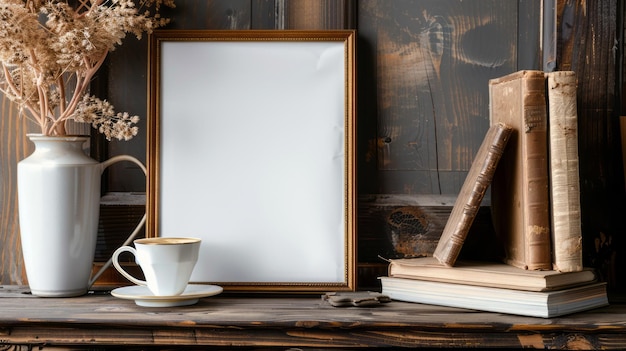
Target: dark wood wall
(423, 67)
(423, 110)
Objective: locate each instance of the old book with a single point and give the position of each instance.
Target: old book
(493, 274)
(564, 177)
(545, 304)
(471, 195)
(519, 190)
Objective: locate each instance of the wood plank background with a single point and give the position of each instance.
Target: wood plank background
(423, 67)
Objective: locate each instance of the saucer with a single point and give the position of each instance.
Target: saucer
(144, 297)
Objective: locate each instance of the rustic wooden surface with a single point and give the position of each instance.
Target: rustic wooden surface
(99, 320)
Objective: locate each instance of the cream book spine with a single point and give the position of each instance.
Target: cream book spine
(564, 176)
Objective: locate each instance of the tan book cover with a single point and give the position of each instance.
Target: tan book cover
(493, 274)
(471, 195)
(564, 177)
(520, 186)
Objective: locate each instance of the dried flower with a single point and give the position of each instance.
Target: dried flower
(50, 50)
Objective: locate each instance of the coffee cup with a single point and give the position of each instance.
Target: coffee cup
(166, 262)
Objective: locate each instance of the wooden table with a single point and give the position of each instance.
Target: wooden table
(99, 321)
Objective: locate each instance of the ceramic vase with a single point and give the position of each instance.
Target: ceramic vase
(59, 203)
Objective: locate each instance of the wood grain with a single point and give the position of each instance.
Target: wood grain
(13, 148)
(322, 14)
(100, 320)
(423, 110)
(395, 226)
(430, 68)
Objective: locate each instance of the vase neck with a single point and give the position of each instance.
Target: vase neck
(68, 148)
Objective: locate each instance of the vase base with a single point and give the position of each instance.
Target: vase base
(58, 293)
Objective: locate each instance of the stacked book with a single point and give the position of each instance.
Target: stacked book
(529, 157)
(493, 287)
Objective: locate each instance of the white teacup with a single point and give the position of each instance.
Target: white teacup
(166, 263)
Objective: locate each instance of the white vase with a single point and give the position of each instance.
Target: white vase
(59, 202)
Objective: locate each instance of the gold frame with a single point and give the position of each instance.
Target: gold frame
(160, 185)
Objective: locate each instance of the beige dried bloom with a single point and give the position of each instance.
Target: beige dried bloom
(102, 116)
(50, 50)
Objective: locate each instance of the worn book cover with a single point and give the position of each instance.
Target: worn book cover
(546, 304)
(494, 274)
(564, 177)
(471, 195)
(520, 186)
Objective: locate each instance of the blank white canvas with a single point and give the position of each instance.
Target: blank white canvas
(252, 157)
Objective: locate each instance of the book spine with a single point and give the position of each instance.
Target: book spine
(519, 191)
(471, 195)
(564, 177)
(535, 166)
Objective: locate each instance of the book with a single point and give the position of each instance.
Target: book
(564, 177)
(471, 195)
(520, 188)
(545, 304)
(494, 274)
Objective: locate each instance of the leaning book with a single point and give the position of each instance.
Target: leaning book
(472, 192)
(492, 274)
(545, 304)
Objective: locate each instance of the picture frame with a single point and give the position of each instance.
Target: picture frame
(251, 147)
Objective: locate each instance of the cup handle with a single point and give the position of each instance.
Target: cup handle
(139, 226)
(119, 268)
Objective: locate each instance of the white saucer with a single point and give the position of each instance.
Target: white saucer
(144, 297)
